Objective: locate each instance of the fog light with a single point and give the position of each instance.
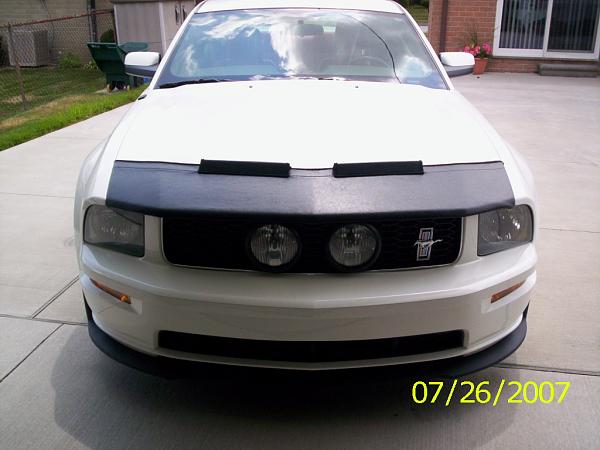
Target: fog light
(354, 246)
(500, 295)
(274, 245)
(123, 298)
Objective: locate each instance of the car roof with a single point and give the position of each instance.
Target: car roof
(388, 6)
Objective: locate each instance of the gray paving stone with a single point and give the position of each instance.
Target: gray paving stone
(550, 119)
(18, 337)
(69, 395)
(564, 318)
(32, 274)
(37, 257)
(49, 165)
(568, 195)
(22, 301)
(45, 166)
(67, 308)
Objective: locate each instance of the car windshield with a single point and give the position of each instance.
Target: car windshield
(299, 43)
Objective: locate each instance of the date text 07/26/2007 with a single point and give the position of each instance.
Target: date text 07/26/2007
(467, 392)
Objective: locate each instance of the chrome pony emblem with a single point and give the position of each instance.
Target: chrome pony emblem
(425, 243)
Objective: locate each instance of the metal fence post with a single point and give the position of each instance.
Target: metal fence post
(13, 51)
(114, 24)
(93, 25)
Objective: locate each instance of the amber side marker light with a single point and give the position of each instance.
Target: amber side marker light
(500, 295)
(116, 294)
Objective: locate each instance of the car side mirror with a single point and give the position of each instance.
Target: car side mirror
(141, 64)
(457, 63)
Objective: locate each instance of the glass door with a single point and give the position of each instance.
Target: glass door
(523, 24)
(573, 26)
(547, 28)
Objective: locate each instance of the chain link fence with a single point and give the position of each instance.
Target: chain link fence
(47, 61)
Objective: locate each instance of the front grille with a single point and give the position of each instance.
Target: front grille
(310, 351)
(222, 243)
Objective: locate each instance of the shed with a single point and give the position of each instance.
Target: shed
(151, 21)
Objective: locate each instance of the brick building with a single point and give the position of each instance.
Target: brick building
(523, 33)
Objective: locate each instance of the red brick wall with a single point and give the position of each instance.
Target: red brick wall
(514, 65)
(524, 65)
(464, 17)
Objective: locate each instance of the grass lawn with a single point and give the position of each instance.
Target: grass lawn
(55, 98)
(419, 13)
(44, 84)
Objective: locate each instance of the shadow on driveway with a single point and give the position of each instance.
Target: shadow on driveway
(105, 405)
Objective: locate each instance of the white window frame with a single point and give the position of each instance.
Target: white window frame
(541, 53)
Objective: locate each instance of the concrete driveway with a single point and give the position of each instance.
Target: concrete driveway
(58, 391)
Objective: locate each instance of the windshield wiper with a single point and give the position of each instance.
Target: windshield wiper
(297, 77)
(258, 77)
(198, 81)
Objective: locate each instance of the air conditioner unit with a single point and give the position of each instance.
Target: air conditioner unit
(31, 47)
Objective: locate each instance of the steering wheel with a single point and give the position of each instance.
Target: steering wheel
(371, 59)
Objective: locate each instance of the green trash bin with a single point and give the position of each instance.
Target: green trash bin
(110, 59)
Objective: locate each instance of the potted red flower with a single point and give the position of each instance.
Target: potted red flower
(481, 53)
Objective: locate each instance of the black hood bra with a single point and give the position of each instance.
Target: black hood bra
(167, 189)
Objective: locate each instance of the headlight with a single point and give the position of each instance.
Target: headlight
(503, 229)
(116, 229)
(354, 246)
(274, 245)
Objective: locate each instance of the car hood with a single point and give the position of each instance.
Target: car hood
(309, 124)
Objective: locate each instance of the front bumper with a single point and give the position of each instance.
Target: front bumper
(180, 368)
(302, 307)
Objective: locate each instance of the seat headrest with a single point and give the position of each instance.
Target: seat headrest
(309, 29)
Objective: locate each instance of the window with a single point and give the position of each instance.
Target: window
(302, 43)
(547, 28)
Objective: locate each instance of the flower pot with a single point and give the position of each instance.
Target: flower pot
(480, 65)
